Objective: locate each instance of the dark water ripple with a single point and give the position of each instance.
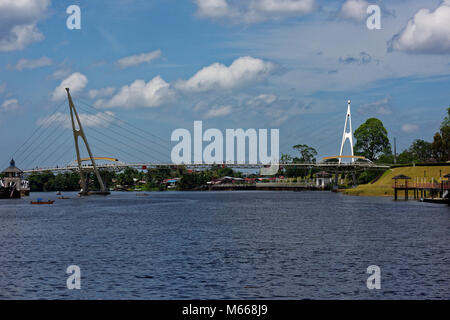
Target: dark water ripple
(230, 245)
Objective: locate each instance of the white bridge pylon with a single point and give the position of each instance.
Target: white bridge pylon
(347, 134)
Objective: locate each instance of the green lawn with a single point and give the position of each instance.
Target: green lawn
(383, 187)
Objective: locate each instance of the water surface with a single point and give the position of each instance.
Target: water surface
(224, 245)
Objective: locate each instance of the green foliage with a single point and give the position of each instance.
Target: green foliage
(307, 153)
(372, 139)
(385, 158)
(126, 178)
(367, 176)
(47, 181)
(440, 147)
(192, 181)
(421, 151)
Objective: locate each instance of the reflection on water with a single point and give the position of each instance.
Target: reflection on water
(224, 245)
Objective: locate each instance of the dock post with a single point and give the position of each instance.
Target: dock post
(395, 194)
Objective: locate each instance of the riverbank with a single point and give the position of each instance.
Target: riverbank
(383, 186)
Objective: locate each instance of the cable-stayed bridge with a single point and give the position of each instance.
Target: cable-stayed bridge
(135, 147)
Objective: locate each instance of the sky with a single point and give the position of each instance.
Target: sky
(265, 64)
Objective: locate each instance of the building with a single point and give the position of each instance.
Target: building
(323, 179)
(12, 183)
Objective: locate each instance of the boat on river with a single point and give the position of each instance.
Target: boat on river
(40, 201)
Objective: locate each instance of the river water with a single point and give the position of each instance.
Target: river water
(224, 245)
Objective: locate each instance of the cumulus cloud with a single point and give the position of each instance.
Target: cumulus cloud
(427, 32)
(218, 111)
(33, 64)
(9, 105)
(140, 94)
(59, 119)
(101, 93)
(213, 8)
(242, 71)
(409, 128)
(156, 92)
(249, 11)
(76, 82)
(354, 10)
(18, 20)
(138, 59)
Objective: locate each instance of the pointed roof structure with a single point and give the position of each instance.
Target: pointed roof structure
(12, 168)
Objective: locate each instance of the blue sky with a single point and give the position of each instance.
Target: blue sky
(287, 64)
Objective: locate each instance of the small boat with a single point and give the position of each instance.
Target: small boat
(64, 198)
(40, 201)
(58, 193)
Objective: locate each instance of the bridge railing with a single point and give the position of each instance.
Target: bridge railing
(445, 185)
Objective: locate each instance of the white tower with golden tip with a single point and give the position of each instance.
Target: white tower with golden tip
(347, 134)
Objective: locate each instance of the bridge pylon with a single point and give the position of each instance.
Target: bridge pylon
(347, 134)
(80, 133)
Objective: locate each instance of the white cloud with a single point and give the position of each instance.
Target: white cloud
(76, 82)
(354, 10)
(242, 71)
(289, 7)
(101, 93)
(218, 111)
(250, 11)
(138, 59)
(409, 128)
(140, 94)
(59, 119)
(33, 64)
(9, 105)
(18, 20)
(427, 32)
(213, 8)
(381, 107)
(61, 73)
(262, 100)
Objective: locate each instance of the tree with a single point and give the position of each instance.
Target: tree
(421, 150)
(372, 139)
(405, 157)
(441, 141)
(286, 158)
(307, 153)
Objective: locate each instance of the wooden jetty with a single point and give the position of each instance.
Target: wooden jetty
(437, 192)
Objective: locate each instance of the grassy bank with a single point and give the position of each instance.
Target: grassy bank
(383, 186)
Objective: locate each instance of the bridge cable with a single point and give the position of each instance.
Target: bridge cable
(130, 146)
(122, 135)
(131, 125)
(41, 126)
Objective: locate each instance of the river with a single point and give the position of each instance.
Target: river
(224, 245)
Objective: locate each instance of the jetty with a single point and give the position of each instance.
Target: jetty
(434, 192)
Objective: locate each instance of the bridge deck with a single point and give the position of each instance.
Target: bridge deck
(120, 166)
